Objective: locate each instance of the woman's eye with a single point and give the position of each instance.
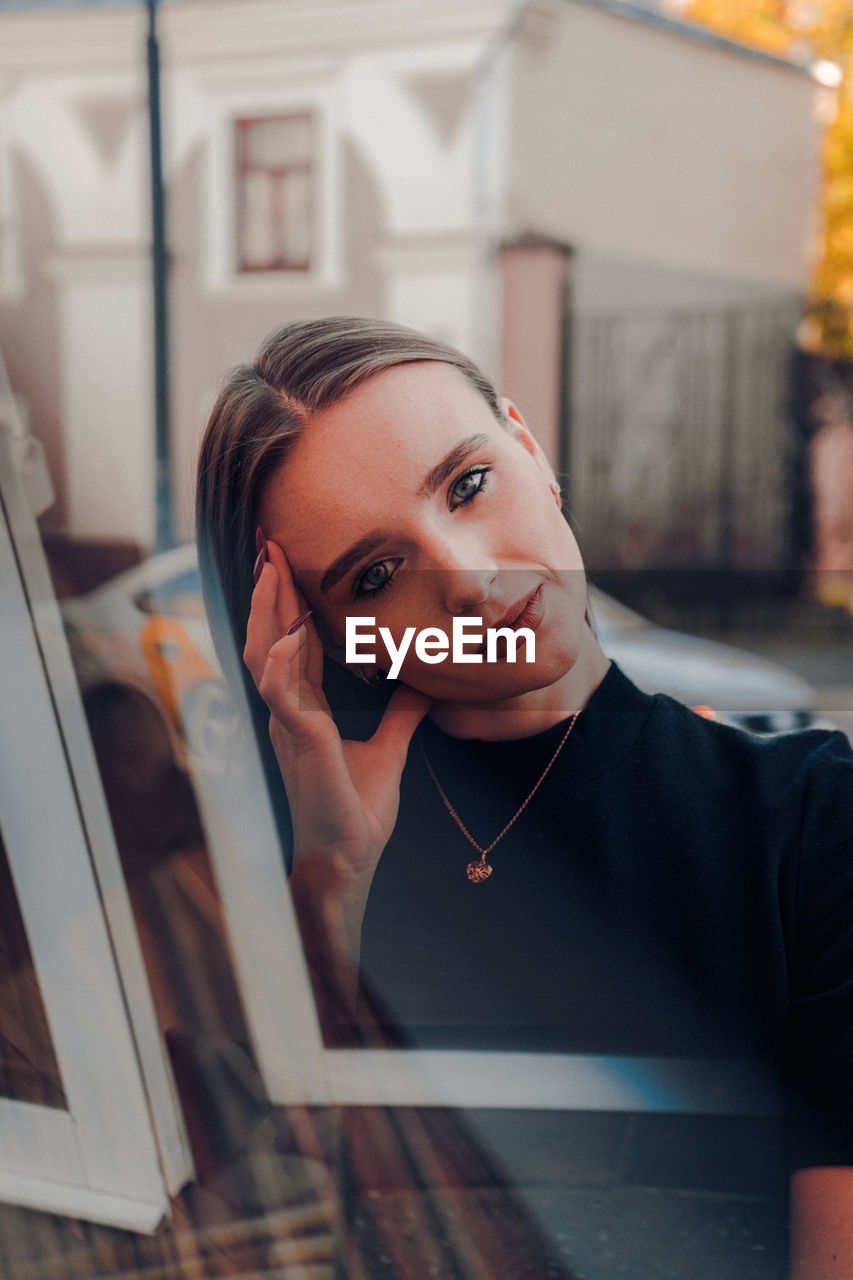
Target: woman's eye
(468, 485)
(376, 578)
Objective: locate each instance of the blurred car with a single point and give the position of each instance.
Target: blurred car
(141, 669)
(147, 627)
(153, 613)
(717, 680)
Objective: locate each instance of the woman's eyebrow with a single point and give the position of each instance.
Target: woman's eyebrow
(340, 567)
(444, 469)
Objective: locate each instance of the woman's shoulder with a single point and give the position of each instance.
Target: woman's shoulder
(781, 762)
(660, 745)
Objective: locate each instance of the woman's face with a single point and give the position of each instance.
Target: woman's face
(409, 503)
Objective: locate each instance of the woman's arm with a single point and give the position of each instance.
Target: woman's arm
(821, 1026)
(343, 795)
(822, 1224)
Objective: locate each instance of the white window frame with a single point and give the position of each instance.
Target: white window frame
(13, 282)
(297, 1067)
(221, 268)
(119, 1149)
(244, 169)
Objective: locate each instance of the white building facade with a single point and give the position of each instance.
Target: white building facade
(447, 166)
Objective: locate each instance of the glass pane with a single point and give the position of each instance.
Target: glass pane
(276, 144)
(259, 247)
(296, 215)
(28, 1068)
(276, 221)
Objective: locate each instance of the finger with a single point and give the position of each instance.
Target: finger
(290, 602)
(291, 610)
(288, 676)
(403, 714)
(261, 629)
(276, 605)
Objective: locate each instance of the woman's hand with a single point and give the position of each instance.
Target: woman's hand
(343, 795)
(822, 1224)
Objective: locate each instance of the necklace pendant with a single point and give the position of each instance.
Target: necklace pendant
(477, 872)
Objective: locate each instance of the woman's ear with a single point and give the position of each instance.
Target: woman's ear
(516, 425)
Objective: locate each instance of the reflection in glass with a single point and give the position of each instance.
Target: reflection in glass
(29, 1071)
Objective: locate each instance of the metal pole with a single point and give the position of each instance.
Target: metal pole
(159, 264)
(567, 388)
(726, 497)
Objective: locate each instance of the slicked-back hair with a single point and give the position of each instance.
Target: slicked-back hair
(260, 412)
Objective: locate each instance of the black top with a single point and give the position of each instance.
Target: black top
(675, 888)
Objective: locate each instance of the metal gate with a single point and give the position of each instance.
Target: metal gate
(679, 441)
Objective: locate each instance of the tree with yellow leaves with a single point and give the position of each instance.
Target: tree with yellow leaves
(806, 31)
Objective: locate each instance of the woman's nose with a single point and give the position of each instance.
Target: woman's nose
(466, 576)
(466, 590)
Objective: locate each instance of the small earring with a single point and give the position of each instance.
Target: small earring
(373, 680)
(558, 495)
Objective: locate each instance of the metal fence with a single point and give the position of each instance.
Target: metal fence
(679, 443)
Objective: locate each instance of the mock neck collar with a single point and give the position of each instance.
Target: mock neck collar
(605, 731)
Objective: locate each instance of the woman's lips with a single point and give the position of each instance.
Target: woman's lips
(529, 613)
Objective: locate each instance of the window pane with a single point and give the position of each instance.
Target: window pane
(277, 144)
(28, 1068)
(296, 218)
(274, 193)
(258, 247)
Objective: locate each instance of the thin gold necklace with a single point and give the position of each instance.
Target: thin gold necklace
(479, 871)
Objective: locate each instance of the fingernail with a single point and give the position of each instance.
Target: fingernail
(259, 563)
(260, 539)
(298, 622)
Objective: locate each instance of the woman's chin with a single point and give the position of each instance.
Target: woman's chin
(491, 682)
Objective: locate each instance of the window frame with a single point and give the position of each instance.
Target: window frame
(120, 1149)
(299, 1069)
(242, 128)
(219, 262)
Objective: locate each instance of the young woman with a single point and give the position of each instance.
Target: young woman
(517, 854)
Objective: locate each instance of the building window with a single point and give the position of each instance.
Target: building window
(275, 179)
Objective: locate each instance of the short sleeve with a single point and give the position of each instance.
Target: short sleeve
(821, 963)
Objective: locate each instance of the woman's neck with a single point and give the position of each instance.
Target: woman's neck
(531, 712)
